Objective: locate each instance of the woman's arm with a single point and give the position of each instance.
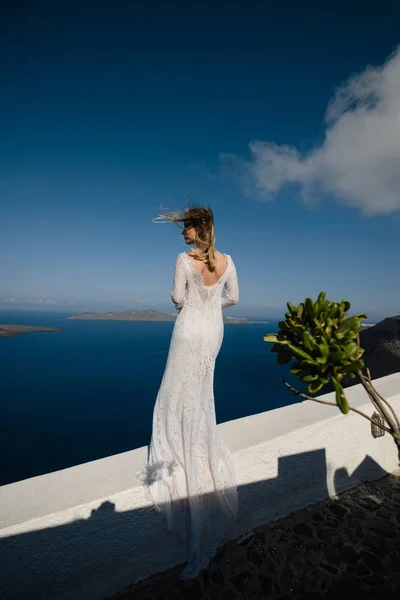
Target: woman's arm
(179, 287)
(231, 288)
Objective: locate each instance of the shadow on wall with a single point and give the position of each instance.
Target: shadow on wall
(92, 558)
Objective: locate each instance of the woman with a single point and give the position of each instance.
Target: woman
(190, 475)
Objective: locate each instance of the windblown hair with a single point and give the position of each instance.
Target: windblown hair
(202, 219)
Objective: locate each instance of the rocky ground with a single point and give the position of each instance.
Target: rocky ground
(348, 546)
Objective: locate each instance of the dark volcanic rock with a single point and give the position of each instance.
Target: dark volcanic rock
(291, 560)
(382, 349)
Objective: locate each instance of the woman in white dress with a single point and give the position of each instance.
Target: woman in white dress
(190, 474)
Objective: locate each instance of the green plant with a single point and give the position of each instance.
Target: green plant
(324, 343)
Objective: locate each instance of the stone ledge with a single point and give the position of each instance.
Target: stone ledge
(61, 490)
(93, 536)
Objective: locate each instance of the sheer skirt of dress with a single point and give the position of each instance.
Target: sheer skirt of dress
(190, 472)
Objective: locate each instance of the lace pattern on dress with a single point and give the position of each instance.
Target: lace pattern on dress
(190, 473)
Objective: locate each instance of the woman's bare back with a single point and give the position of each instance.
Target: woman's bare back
(210, 278)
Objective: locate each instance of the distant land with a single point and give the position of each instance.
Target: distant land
(147, 315)
(12, 330)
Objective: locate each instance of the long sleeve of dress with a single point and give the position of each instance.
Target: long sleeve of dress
(231, 288)
(179, 286)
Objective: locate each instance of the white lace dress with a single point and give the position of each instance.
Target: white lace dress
(190, 474)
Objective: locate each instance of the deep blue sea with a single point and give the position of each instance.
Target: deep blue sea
(89, 391)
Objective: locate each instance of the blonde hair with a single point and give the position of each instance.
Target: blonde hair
(201, 218)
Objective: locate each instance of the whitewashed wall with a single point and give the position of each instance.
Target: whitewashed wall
(85, 532)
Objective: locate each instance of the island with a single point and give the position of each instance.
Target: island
(146, 315)
(13, 330)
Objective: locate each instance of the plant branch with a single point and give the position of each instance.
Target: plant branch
(376, 400)
(373, 399)
(377, 406)
(382, 399)
(359, 412)
(378, 397)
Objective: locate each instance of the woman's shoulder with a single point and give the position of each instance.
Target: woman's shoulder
(222, 254)
(223, 257)
(180, 258)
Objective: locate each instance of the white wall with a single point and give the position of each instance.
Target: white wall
(88, 531)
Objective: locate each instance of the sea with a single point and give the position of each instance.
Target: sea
(88, 391)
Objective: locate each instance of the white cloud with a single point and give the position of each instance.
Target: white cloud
(28, 301)
(39, 301)
(358, 162)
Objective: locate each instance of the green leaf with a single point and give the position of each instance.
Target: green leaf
(341, 399)
(337, 357)
(356, 365)
(271, 338)
(311, 363)
(345, 305)
(331, 309)
(350, 349)
(361, 316)
(323, 348)
(318, 325)
(308, 340)
(315, 386)
(321, 360)
(321, 299)
(299, 352)
(346, 362)
(310, 308)
(309, 377)
(296, 371)
(292, 309)
(352, 324)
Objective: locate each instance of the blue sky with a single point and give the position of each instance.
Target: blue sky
(109, 110)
